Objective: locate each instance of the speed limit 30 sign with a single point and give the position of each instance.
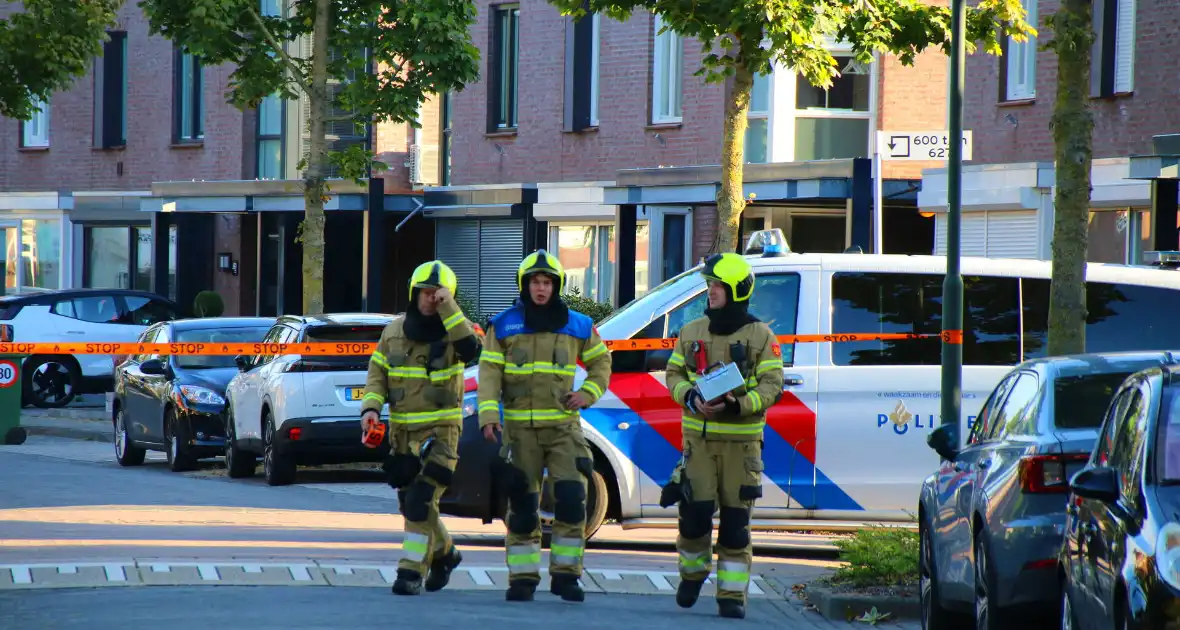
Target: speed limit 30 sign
(8, 372)
(919, 145)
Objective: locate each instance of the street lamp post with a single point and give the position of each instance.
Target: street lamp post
(952, 287)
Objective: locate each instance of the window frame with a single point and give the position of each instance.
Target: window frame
(760, 114)
(837, 50)
(998, 431)
(504, 92)
(667, 75)
(595, 252)
(1025, 61)
(995, 400)
(34, 132)
(194, 104)
(261, 139)
(595, 67)
(107, 95)
(133, 259)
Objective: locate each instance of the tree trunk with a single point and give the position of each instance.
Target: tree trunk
(1073, 129)
(730, 201)
(315, 190)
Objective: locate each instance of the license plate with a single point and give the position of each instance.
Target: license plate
(354, 393)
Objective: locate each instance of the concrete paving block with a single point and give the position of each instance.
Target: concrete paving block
(262, 575)
(24, 576)
(342, 575)
(176, 575)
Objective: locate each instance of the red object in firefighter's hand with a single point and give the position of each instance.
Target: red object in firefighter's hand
(374, 435)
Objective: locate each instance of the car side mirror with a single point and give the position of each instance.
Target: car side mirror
(1099, 483)
(243, 362)
(945, 441)
(153, 367)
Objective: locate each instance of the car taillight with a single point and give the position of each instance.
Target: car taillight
(1045, 474)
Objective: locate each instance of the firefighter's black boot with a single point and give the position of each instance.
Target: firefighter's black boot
(520, 591)
(731, 608)
(441, 568)
(688, 592)
(407, 583)
(566, 587)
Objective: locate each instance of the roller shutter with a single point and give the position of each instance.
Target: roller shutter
(999, 234)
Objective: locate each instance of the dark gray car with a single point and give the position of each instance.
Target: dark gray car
(991, 518)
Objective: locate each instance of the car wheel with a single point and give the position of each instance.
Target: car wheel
(934, 616)
(988, 615)
(180, 457)
(239, 464)
(51, 382)
(126, 453)
(278, 467)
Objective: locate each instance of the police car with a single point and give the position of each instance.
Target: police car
(846, 446)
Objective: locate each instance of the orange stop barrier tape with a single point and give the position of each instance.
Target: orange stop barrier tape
(359, 349)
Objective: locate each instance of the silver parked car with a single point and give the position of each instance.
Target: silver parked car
(991, 518)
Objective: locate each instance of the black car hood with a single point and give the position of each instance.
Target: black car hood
(215, 379)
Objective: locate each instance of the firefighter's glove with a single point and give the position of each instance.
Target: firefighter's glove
(694, 401)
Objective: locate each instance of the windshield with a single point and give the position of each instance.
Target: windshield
(647, 302)
(1080, 402)
(251, 334)
(343, 335)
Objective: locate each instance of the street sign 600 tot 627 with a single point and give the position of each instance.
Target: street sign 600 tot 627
(918, 145)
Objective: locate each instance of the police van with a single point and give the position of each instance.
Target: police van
(846, 444)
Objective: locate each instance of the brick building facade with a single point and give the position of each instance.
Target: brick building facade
(147, 129)
(1008, 104)
(539, 145)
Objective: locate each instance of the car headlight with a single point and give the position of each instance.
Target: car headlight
(201, 395)
(470, 404)
(1167, 554)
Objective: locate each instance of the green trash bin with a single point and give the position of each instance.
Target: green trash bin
(10, 398)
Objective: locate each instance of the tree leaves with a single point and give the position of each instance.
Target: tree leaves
(46, 47)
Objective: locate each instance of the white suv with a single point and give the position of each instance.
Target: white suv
(301, 410)
(76, 316)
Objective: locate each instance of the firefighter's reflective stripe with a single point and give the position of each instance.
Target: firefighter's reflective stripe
(524, 559)
(694, 562)
(595, 352)
(680, 390)
(415, 546)
(525, 415)
(732, 576)
(767, 366)
(489, 405)
(437, 376)
(593, 388)
(731, 428)
(566, 552)
(495, 358)
(418, 417)
(454, 320)
(540, 367)
(380, 360)
(676, 359)
(375, 397)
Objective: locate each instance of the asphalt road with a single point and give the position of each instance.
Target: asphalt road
(78, 534)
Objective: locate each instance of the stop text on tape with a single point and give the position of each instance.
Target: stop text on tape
(360, 349)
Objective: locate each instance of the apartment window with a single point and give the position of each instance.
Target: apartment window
(758, 121)
(505, 63)
(667, 68)
(595, 51)
(270, 138)
(271, 8)
(1112, 58)
(833, 123)
(34, 132)
(117, 257)
(187, 97)
(110, 93)
(587, 252)
(1020, 62)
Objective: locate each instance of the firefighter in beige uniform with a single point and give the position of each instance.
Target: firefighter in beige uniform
(722, 465)
(418, 369)
(529, 360)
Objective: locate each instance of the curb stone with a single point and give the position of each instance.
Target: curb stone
(844, 606)
(71, 433)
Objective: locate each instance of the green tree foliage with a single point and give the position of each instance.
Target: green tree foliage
(742, 39)
(48, 45)
(587, 306)
(208, 304)
(418, 48)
